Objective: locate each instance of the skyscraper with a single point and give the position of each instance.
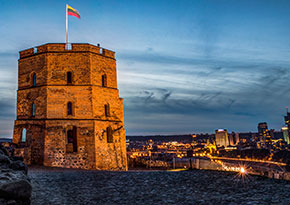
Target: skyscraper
(286, 134)
(264, 135)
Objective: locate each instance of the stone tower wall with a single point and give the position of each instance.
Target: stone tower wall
(33, 148)
(103, 96)
(59, 96)
(29, 65)
(27, 97)
(60, 63)
(110, 156)
(100, 66)
(56, 145)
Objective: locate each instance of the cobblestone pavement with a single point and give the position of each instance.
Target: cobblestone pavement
(65, 186)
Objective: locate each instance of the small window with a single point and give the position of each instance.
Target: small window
(107, 110)
(109, 135)
(23, 135)
(69, 78)
(69, 108)
(33, 110)
(34, 80)
(104, 80)
(72, 140)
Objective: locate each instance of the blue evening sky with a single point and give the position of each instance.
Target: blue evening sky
(184, 66)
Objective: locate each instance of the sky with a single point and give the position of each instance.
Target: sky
(184, 66)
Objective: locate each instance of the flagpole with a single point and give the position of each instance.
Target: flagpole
(66, 21)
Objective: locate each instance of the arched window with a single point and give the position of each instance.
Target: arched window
(69, 108)
(109, 135)
(23, 135)
(107, 110)
(33, 110)
(69, 78)
(104, 80)
(34, 79)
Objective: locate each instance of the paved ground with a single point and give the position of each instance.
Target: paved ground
(63, 186)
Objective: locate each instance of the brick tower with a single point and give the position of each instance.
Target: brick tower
(69, 113)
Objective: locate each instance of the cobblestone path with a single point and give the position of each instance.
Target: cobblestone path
(65, 186)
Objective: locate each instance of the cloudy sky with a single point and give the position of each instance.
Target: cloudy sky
(184, 66)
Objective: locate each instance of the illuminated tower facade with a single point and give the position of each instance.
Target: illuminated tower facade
(222, 138)
(69, 113)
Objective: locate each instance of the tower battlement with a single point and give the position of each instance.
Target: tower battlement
(61, 47)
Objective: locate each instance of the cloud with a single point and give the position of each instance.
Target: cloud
(7, 108)
(7, 113)
(236, 93)
(6, 128)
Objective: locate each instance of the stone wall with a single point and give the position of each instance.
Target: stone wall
(28, 66)
(110, 155)
(58, 64)
(33, 147)
(103, 96)
(79, 96)
(195, 163)
(101, 66)
(56, 153)
(27, 97)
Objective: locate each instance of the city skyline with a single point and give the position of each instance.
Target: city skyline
(187, 67)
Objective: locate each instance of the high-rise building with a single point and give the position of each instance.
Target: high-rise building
(287, 123)
(262, 128)
(237, 138)
(221, 137)
(287, 118)
(286, 134)
(231, 139)
(264, 135)
(69, 113)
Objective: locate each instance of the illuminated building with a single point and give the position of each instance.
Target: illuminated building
(69, 113)
(233, 139)
(285, 131)
(264, 135)
(211, 146)
(237, 138)
(287, 123)
(221, 138)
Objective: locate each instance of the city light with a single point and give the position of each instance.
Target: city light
(243, 171)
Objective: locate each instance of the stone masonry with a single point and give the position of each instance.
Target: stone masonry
(69, 113)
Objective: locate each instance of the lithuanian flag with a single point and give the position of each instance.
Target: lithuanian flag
(73, 12)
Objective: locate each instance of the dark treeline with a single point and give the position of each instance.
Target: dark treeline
(161, 138)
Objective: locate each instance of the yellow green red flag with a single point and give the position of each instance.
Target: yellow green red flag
(73, 12)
